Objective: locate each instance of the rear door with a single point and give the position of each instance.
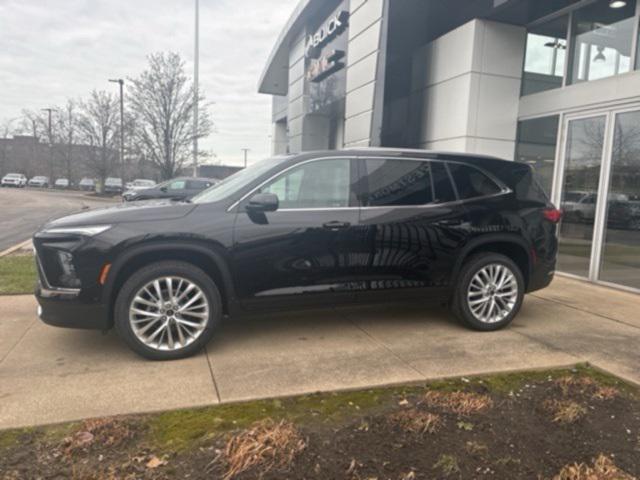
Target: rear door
(308, 250)
(414, 226)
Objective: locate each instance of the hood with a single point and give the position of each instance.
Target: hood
(126, 213)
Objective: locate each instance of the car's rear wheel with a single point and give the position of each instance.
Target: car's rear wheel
(489, 292)
(168, 310)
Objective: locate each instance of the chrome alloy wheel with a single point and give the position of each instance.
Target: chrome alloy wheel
(492, 293)
(169, 313)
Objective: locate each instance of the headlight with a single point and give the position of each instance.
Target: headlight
(89, 231)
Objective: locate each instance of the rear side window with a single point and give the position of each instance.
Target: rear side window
(471, 182)
(393, 182)
(197, 185)
(398, 183)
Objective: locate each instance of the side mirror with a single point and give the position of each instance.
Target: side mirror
(163, 189)
(263, 202)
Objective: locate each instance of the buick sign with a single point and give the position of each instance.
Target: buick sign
(333, 27)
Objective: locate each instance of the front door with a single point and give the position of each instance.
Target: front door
(308, 248)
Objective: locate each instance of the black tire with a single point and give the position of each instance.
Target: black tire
(157, 270)
(459, 304)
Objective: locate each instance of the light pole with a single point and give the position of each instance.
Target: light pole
(120, 82)
(196, 99)
(50, 135)
(246, 151)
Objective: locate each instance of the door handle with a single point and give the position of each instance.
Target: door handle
(335, 226)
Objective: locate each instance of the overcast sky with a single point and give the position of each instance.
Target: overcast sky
(51, 50)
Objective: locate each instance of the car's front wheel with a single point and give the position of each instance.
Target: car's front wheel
(168, 310)
(489, 292)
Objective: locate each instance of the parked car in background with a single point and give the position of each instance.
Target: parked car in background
(39, 182)
(314, 229)
(137, 185)
(62, 184)
(176, 189)
(87, 184)
(17, 180)
(113, 185)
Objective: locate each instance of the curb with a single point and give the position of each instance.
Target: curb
(10, 250)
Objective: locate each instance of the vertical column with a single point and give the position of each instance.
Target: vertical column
(365, 67)
(297, 94)
(466, 87)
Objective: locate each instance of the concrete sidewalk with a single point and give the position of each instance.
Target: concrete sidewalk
(51, 375)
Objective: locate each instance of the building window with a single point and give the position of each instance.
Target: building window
(536, 146)
(545, 56)
(602, 39)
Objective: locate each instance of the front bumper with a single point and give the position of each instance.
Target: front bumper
(63, 309)
(68, 307)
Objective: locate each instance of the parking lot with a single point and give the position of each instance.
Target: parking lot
(51, 375)
(22, 211)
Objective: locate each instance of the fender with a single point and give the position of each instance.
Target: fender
(487, 239)
(199, 247)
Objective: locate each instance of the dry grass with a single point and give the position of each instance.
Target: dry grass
(267, 445)
(460, 403)
(476, 448)
(569, 384)
(603, 468)
(417, 422)
(107, 432)
(606, 393)
(565, 411)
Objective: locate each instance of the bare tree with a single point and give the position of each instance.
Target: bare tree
(66, 127)
(35, 125)
(162, 98)
(6, 129)
(97, 123)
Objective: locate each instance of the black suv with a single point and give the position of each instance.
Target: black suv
(317, 228)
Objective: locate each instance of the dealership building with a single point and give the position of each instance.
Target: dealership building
(553, 83)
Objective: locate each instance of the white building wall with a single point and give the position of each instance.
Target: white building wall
(606, 92)
(466, 89)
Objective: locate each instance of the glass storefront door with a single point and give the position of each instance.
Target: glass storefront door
(598, 188)
(621, 245)
(579, 194)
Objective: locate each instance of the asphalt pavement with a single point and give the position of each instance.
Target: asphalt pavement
(23, 211)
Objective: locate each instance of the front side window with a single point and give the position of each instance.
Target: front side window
(545, 56)
(471, 182)
(602, 40)
(177, 185)
(318, 184)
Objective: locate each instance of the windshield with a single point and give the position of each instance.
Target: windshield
(232, 184)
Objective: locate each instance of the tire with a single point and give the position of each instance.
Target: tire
(507, 300)
(134, 289)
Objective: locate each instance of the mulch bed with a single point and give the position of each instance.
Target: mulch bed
(458, 430)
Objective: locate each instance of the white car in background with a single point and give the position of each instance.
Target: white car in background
(39, 181)
(137, 185)
(87, 184)
(14, 180)
(62, 184)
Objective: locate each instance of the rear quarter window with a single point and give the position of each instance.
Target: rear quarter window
(471, 182)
